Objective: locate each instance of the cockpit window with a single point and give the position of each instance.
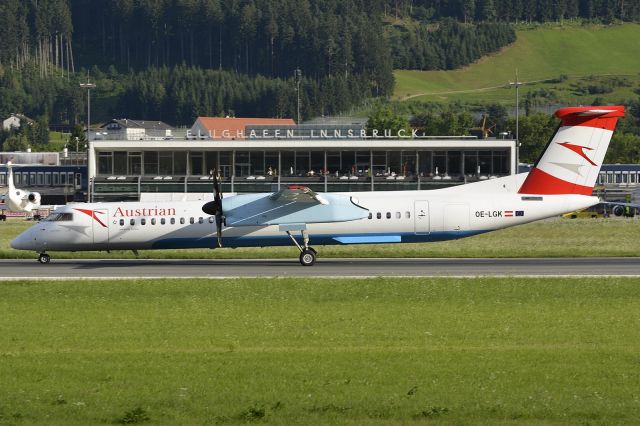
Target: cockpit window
(60, 217)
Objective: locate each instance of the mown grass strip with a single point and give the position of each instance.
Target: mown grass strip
(302, 351)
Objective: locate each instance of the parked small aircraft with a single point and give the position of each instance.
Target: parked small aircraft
(561, 181)
(19, 200)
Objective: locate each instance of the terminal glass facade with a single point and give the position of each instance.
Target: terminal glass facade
(129, 172)
(242, 164)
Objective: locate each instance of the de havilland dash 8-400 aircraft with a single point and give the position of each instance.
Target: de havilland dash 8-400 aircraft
(561, 181)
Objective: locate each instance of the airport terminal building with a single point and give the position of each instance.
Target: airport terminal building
(263, 157)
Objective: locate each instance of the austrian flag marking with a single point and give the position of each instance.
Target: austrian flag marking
(512, 213)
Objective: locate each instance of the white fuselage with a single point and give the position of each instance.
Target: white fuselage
(395, 217)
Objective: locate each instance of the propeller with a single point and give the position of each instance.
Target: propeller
(215, 207)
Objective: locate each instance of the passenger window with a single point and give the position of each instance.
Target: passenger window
(153, 220)
(388, 215)
(182, 221)
(132, 222)
(143, 221)
(379, 215)
(192, 220)
(370, 215)
(398, 215)
(408, 215)
(212, 219)
(121, 222)
(163, 221)
(200, 220)
(173, 220)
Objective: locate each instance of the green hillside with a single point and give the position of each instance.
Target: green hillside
(598, 61)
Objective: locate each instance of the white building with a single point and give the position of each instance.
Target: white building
(134, 130)
(15, 121)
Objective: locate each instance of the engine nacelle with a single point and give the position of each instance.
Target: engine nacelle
(34, 198)
(618, 210)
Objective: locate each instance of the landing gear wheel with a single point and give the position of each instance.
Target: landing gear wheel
(44, 258)
(308, 257)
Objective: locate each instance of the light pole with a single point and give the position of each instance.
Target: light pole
(88, 85)
(517, 85)
(298, 77)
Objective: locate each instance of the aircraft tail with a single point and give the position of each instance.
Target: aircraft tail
(571, 161)
(10, 185)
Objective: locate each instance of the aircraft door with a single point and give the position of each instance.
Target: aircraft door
(101, 229)
(456, 217)
(421, 217)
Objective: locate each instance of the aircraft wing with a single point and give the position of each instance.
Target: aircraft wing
(300, 194)
(292, 205)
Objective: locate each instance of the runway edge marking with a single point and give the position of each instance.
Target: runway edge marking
(340, 277)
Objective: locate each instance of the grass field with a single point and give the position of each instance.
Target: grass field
(300, 351)
(542, 53)
(550, 238)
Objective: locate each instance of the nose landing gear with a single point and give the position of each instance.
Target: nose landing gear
(44, 258)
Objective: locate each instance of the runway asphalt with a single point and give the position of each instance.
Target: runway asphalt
(63, 269)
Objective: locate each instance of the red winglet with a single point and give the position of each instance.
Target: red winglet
(601, 117)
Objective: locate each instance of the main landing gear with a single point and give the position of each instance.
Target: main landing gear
(307, 254)
(44, 258)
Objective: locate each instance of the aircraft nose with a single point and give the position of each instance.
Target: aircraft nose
(21, 242)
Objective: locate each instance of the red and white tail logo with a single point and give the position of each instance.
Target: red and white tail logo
(571, 162)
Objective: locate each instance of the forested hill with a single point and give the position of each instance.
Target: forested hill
(515, 10)
(267, 37)
(175, 59)
(235, 47)
(273, 37)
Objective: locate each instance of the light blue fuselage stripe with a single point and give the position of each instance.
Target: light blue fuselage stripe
(284, 240)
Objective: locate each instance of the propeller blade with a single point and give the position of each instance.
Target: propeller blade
(219, 229)
(216, 206)
(217, 192)
(211, 207)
